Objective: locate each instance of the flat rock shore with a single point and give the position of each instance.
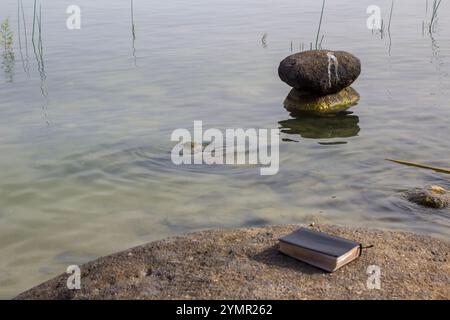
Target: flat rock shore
(246, 264)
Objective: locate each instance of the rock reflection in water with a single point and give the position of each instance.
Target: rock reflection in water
(311, 127)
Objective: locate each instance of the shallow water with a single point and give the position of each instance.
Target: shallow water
(85, 165)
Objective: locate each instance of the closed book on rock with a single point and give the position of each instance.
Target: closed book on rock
(319, 249)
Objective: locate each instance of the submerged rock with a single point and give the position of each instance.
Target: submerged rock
(431, 197)
(298, 102)
(320, 71)
(192, 147)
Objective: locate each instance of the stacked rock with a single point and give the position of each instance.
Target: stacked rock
(321, 81)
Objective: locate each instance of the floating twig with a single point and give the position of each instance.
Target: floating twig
(264, 40)
(422, 166)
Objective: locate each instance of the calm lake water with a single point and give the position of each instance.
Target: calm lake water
(85, 166)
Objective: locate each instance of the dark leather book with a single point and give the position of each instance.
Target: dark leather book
(319, 249)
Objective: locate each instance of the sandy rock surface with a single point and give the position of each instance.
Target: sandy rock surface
(246, 264)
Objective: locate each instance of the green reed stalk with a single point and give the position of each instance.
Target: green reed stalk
(320, 24)
(436, 5)
(34, 21)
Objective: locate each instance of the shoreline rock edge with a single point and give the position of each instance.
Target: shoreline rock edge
(245, 264)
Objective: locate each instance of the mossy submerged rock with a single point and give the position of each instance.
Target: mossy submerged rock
(298, 102)
(431, 197)
(320, 71)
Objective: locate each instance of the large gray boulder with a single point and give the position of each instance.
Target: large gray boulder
(320, 71)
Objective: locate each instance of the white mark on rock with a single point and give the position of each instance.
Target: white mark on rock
(332, 61)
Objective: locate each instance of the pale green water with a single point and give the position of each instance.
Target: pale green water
(85, 165)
